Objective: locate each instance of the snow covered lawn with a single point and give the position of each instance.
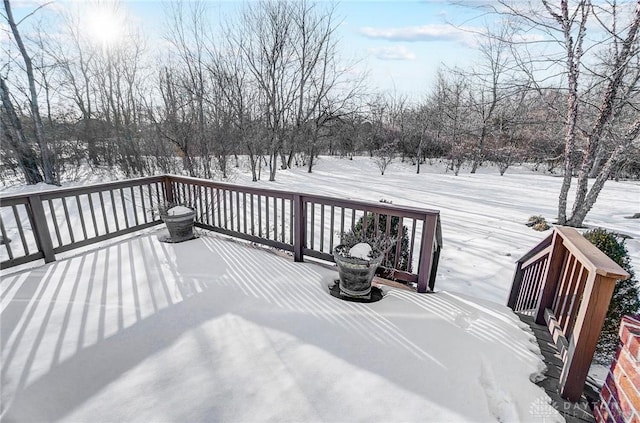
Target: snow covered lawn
(214, 330)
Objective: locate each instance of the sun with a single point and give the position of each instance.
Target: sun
(105, 24)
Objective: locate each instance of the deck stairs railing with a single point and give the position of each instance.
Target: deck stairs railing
(566, 283)
(40, 225)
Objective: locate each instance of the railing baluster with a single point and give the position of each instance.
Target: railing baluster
(231, 209)
(159, 197)
(218, 207)
(299, 226)
(275, 218)
(563, 315)
(266, 210)
(134, 207)
(575, 301)
(282, 203)
(20, 230)
(365, 223)
(224, 206)
(331, 228)
(376, 224)
(396, 261)
(104, 212)
(244, 211)
(411, 244)
(312, 231)
(321, 227)
(150, 209)
(238, 210)
(564, 286)
(124, 209)
(81, 214)
(114, 210)
(253, 232)
(66, 216)
(54, 218)
(292, 220)
(387, 229)
(260, 216)
(5, 239)
(142, 204)
(205, 210)
(93, 215)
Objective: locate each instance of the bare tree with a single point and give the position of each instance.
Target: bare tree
(624, 54)
(45, 155)
(448, 101)
(384, 156)
(289, 49)
(263, 37)
(589, 114)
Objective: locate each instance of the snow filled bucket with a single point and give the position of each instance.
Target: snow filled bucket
(355, 273)
(179, 221)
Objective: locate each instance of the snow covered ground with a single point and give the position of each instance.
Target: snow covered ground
(213, 330)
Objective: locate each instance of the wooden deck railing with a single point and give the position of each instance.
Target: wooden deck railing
(54, 221)
(566, 283)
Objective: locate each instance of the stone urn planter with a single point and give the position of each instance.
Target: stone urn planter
(356, 269)
(179, 221)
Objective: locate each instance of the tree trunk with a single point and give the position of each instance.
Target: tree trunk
(310, 166)
(45, 155)
(580, 212)
(26, 157)
(273, 161)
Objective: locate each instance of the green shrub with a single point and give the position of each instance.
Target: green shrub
(625, 295)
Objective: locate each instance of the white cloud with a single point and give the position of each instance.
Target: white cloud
(434, 32)
(392, 53)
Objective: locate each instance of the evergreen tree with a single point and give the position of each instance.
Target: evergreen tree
(370, 233)
(625, 298)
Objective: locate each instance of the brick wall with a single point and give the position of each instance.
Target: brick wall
(620, 395)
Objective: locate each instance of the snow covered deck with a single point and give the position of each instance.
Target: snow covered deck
(215, 330)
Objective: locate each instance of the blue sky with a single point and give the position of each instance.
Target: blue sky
(400, 44)
(404, 42)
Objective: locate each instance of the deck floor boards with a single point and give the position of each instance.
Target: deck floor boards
(579, 412)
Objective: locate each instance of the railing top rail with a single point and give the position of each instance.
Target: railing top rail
(229, 186)
(57, 192)
(405, 211)
(590, 256)
(544, 244)
(386, 208)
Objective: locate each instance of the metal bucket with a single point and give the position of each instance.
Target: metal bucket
(356, 274)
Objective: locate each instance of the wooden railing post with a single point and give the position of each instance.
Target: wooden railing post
(299, 227)
(426, 252)
(550, 277)
(40, 228)
(515, 286)
(168, 190)
(583, 340)
(435, 259)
